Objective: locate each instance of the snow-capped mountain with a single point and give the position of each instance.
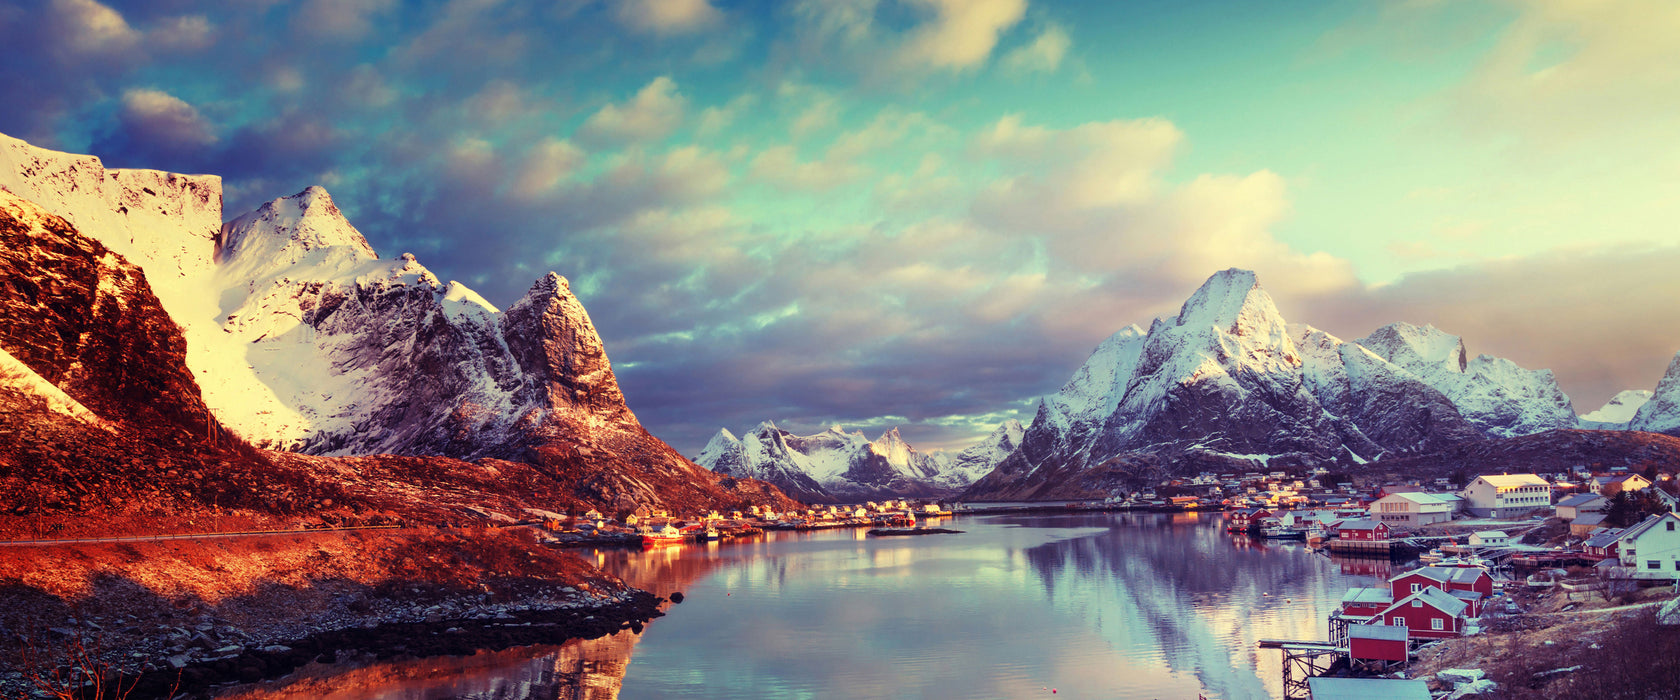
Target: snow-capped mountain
(1495, 394)
(1618, 412)
(835, 465)
(304, 339)
(1227, 379)
(1661, 413)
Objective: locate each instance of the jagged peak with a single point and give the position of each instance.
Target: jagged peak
(1622, 407)
(306, 221)
(1409, 345)
(1231, 300)
(765, 426)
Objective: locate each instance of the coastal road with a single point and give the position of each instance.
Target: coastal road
(194, 536)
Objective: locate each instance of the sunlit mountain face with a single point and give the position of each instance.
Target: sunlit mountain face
(926, 213)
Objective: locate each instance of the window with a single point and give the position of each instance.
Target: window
(1671, 526)
(1415, 588)
(1397, 621)
(1417, 603)
(1435, 623)
(1653, 564)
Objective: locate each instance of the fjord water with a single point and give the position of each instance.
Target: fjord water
(1092, 605)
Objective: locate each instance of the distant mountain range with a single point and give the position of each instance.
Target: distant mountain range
(1227, 382)
(836, 466)
(283, 329)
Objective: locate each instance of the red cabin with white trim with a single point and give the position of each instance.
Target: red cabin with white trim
(1377, 643)
(1430, 613)
(1363, 531)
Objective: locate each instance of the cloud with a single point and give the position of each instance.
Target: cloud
(545, 167)
(86, 27)
(163, 121)
(667, 17)
(186, 33)
(780, 167)
(339, 19)
(1043, 55)
(713, 120)
(961, 33)
(652, 114)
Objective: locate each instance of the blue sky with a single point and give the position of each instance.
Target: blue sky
(926, 212)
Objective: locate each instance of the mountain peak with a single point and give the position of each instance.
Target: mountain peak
(286, 229)
(1414, 347)
(1232, 301)
(553, 340)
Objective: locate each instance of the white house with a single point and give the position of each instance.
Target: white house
(1506, 495)
(1651, 549)
(1489, 538)
(1413, 509)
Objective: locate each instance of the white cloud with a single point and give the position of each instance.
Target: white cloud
(961, 33)
(1043, 55)
(339, 19)
(713, 120)
(667, 17)
(88, 27)
(545, 167)
(652, 114)
(184, 33)
(781, 167)
(163, 120)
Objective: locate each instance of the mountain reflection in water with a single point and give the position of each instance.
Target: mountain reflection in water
(1093, 605)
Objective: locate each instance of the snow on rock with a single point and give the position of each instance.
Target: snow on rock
(1661, 414)
(1494, 393)
(835, 465)
(1618, 411)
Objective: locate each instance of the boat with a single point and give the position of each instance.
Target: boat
(1433, 556)
(1279, 532)
(711, 535)
(666, 535)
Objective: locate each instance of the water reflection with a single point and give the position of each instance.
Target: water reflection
(578, 670)
(1093, 605)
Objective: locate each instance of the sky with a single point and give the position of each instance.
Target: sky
(926, 213)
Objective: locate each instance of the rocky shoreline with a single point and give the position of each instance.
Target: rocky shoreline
(195, 662)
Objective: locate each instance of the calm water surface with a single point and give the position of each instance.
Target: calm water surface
(1093, 605)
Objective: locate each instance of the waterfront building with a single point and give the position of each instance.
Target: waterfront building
(1414, 508)
(1472, 584)
(1331, 688)
(1506, 495)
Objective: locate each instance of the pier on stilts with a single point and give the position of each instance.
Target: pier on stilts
(1303, 660)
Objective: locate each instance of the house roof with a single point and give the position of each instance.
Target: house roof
(1367, 689)
(1491, 534)
(1359, 524)
(1389, 632)
(1368, 596)
(1589, 519)
(1466, 595)
(1505, 481)
(1433, 597)
(1626, 477)
(1604, 538)
(1580, 499)
(1649, 522)
(1445, 574)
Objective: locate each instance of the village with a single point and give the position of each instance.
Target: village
(1488, 549)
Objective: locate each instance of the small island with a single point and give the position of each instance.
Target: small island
(904, 531)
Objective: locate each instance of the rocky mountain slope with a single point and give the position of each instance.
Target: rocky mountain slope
(836, 466)
(308, 341)
(1661, 412)
(1227, 382)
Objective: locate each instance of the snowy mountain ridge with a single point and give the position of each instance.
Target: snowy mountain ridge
(835, 465)
(1228, 376)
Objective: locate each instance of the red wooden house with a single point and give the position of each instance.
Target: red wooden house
(1604, 544)
(1366, 602)
(1376, 643)
(1430, 613)
(1240, 520)
(1472, 584)
(1363, 531)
